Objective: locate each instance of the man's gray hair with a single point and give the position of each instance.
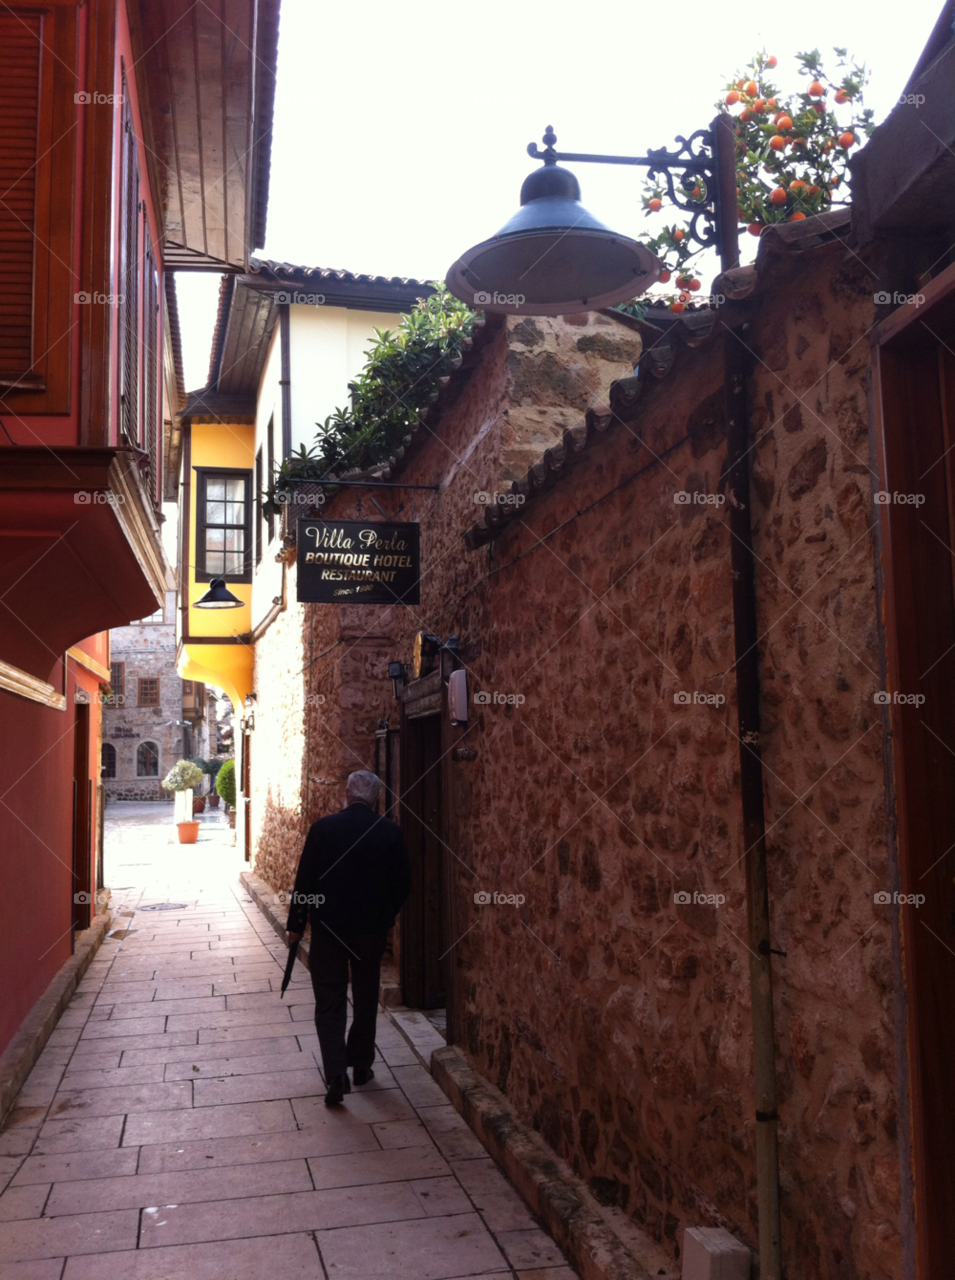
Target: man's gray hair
(364, 786)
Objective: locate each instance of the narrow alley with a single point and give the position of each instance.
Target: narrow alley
(174, 1124)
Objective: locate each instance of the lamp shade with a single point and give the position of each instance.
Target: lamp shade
(218, 597)
(553, 257)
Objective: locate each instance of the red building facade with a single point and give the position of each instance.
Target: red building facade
(115, 126)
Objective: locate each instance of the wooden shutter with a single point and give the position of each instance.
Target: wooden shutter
(20, 47)
(151, 427)
(258, 507)
(129, 275)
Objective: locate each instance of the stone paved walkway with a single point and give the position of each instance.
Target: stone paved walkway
(175, 1126)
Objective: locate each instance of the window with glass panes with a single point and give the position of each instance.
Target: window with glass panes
(149, 692)
(117, 683)
(224, 530)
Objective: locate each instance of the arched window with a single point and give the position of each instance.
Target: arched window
(108, 760)
(147, 760)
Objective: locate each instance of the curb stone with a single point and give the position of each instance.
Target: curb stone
(602, 1244)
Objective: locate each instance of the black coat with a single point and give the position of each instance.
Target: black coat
(358, 863)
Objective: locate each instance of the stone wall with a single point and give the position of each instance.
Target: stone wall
(611, 1010)
(148, 650)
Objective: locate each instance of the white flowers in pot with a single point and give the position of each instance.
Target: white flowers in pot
(181, 778)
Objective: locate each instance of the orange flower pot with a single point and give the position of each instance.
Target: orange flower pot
(188, 832)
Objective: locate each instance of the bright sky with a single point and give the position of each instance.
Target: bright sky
(400, 130)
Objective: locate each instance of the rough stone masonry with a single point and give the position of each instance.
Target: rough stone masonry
(612, 1005)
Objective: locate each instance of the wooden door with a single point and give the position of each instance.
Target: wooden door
(82, 818)
(915, 418)
(423, 934)
(246, 796)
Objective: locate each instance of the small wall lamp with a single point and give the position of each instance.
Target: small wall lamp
(218, 597)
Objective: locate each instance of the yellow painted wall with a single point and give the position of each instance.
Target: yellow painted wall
(230, 665)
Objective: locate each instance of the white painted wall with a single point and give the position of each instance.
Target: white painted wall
(327, 347)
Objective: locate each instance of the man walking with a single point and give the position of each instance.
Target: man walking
(352, 878)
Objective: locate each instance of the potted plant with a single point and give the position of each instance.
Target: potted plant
(181, 778)
(225, 785)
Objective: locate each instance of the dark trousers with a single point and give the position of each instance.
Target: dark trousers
(329, 960)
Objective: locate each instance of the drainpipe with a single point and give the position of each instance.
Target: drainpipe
(746, 638)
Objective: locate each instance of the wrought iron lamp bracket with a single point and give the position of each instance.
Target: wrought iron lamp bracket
(694, 156)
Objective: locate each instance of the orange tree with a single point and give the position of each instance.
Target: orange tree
(792, 152)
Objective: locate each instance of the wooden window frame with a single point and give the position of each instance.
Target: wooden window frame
(259, 517)
(139, 691)
(203, 475)
(147, 742)
(118, 697)
(270, 443)
(45, 386)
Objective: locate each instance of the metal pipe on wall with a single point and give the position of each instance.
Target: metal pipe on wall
(746, 642)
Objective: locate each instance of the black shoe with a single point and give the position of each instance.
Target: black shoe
(338, 1086)
(362, 1075)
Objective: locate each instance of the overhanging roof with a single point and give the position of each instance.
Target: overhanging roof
(249, 308)
(207, 75)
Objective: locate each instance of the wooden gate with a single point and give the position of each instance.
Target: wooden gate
(914, 413)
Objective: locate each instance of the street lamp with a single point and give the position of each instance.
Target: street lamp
(554, 258)
(218, 597)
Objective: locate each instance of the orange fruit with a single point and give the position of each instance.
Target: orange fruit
(842, 96)
(771, 103)
(755, 228)
(797, 217)
(797, 142)
(731, 98)
(816, 90)
(697, 193)
(678, 234)
(677, 306)
(744, 114)
(783, 122)
(655, 205)
(751, 88)
(820, 109)
(813, 190)
(797, 185)
(846, 139)
(771, 61)
(694, 285)
(759, 106)
(778, 195)
(664, 276)
(777, 143)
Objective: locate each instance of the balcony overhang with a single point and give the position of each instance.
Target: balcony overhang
(208, 78)
(80, 551)
(902, 180)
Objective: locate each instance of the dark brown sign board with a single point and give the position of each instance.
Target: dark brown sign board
(358, 562)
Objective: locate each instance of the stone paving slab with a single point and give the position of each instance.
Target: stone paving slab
(186, 1186)
(291, 1257)
(175, 1126)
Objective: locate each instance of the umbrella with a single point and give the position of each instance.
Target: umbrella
(289, 966)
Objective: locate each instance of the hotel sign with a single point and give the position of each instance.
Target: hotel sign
(358, 562)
